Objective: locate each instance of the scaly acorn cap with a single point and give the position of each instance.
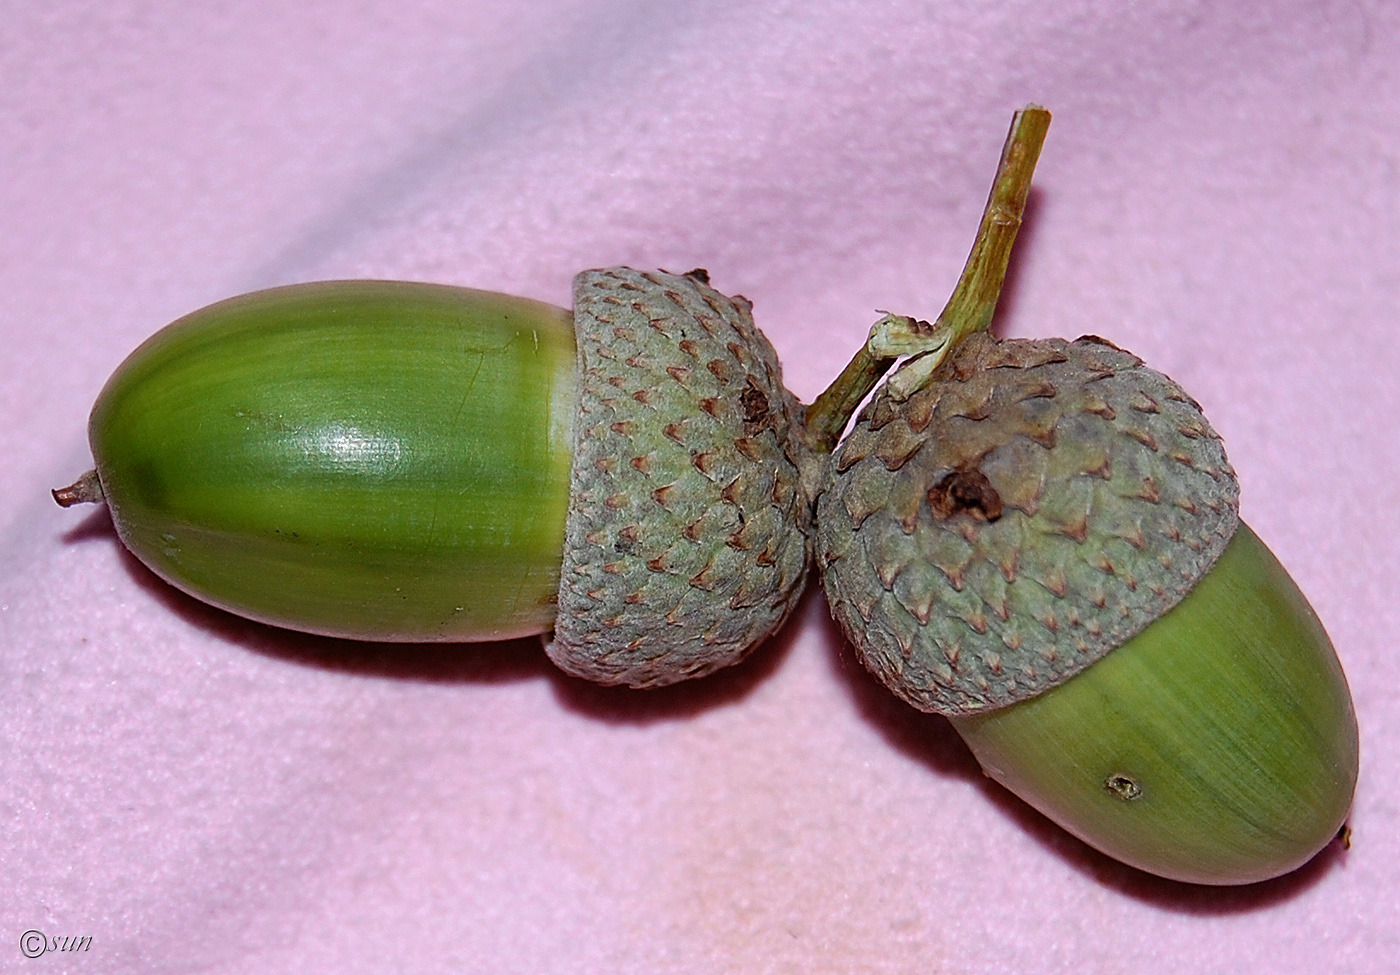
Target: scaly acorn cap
(1028, 509)
(686, 542)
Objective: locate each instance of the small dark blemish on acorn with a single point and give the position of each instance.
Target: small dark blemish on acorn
(1344, 836)
(1125, 787)
(965, 492)
(754, 404)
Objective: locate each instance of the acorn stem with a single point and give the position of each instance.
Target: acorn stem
(85, 490)
(974, 300)
(832, 410)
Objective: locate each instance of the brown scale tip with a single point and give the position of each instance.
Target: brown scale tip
(85, 490)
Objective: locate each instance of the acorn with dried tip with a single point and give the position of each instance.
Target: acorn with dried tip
(407, 462)
(1040, 540)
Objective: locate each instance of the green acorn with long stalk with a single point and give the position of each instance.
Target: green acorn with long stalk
(1040, 539)
(406, 462)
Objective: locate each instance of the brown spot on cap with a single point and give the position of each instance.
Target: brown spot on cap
(965, 491)
(754, 403)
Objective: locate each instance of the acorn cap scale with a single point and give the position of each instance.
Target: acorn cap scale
(1027, 510)
(686, 539)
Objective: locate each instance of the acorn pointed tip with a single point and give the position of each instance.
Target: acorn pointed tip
(85, 490)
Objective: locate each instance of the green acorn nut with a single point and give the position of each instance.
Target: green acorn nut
(1040, 540)
(409, 462)
(1042, 543)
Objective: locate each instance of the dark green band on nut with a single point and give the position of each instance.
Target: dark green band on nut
(686, 541)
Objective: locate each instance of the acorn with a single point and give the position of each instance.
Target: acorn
(1040, 539)
(394, 461)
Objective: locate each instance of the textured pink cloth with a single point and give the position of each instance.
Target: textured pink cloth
(1220, 193)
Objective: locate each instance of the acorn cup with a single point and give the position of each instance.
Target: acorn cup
(408, 462)
(1040, 539)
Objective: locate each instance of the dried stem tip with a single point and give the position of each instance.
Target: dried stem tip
(85, 490)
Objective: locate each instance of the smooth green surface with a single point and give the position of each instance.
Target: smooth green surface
(375, 460)
(1231, 715)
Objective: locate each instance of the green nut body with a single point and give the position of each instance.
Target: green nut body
(363, 459)
(1218, 746)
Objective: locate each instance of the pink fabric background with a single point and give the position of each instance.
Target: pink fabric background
(1220, 193)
